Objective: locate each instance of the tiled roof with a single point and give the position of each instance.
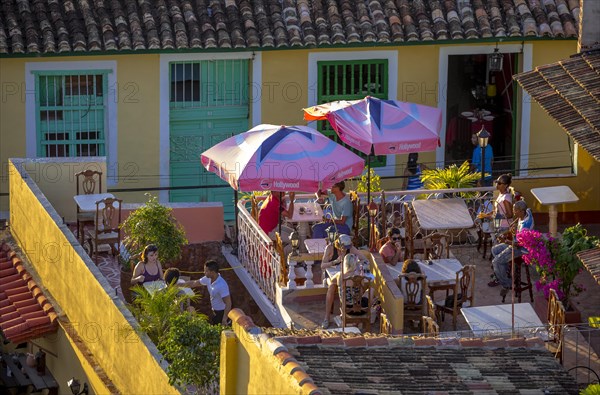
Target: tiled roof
(569, 90)
(339, 363)
(36, 26)
(591, 261)
(25, 313)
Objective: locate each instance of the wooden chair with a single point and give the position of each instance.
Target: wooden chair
(385, 326)
(414, 245)
(413, 287)
(87, 183)
(254, 208)
(520, 286)
(556, 323)
(355, 199)
(106, 226)
(278, 245)
(383, 215)
(430, 327)
(436, 246)
(463, 296)
(352, 291)
(431, 309)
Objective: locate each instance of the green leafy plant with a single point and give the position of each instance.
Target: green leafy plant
(154, 223)
(154, 311)
(450, 177)
(363, 182)
(592, 389)
(185, 338)
(192, 346)
(555, 259)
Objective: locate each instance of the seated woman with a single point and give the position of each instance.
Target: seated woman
(503, 252)
(268, 216)
(391, 251)
(410, 266)
(351, 268)
(149, 268)
(334, 253)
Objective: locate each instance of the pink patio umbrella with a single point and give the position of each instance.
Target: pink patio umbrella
(281, 158)
(380, 127)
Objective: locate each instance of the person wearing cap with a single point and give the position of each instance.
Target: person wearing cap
(412, 173)
(334, 253)
(341, 209)
(351, 268)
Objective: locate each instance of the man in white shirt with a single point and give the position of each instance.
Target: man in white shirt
(220, 299)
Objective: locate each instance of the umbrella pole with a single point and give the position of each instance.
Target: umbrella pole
(236, 215)
(368, 195)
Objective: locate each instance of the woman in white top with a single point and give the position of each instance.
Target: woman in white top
(503, 208)
(504, 201)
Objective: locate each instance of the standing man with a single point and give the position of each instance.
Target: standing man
(220, 300)
(341, 208)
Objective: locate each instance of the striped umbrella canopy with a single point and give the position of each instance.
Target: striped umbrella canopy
(281, 158)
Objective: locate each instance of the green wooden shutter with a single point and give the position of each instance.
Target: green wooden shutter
(351, 80)
(70, 112)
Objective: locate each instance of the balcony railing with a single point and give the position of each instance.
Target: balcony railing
(257, 253)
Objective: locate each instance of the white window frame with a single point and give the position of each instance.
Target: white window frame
(525, 104)
(165, 89)
(392, 58)
(111, 132)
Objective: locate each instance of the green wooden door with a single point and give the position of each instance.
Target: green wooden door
(208, 104)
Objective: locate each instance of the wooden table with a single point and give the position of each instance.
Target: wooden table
(551, 196)
(25, 376)
(315, 246)
(87, 203)
(154, 286)
(497, 319)
(434, 214)
(441, 273)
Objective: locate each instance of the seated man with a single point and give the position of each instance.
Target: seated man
(341, 210)
(503, 252)
(391, 251)
(268, 216)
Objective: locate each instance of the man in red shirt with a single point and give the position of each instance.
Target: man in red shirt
(268, 216)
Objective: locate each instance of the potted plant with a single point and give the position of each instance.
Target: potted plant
(152, 223)
(555, 260)
(451, 177)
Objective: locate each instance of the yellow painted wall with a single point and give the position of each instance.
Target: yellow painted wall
(82, 292)
(65, 361)
(56, 179)
(137, 120)
(12, 118)
(284, 92)
(246, 369)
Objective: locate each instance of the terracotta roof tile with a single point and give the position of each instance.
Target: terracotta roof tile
(569, 90)
(53, 26)
(25, 313)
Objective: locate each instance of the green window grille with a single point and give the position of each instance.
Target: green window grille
(70, 112)
(208, 83)
(351, 80)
